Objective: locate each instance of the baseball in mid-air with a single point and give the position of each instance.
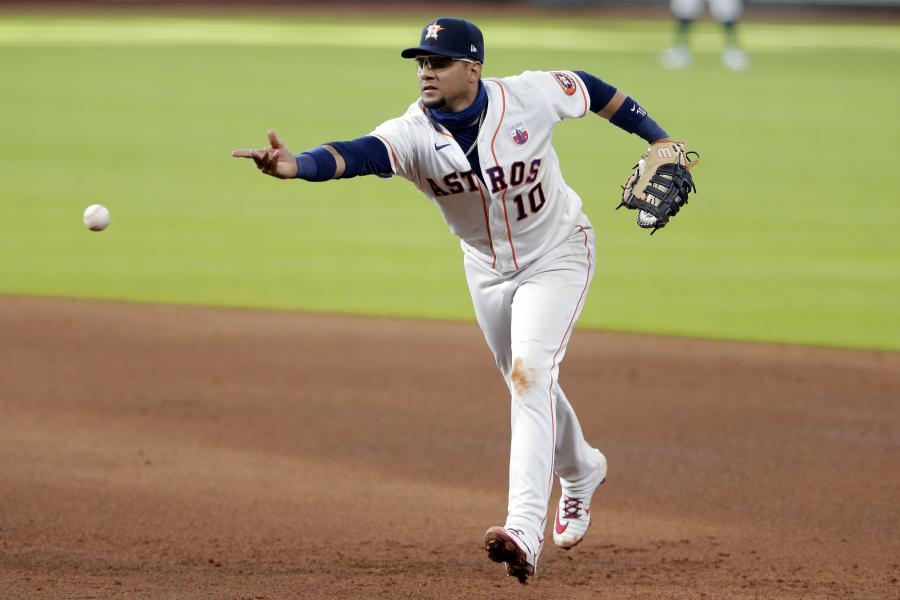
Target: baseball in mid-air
(96, 217)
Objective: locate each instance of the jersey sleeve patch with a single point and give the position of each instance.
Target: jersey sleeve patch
(566, 82)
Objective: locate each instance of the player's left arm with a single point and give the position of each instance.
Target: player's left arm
(621, 110)
(660, 183)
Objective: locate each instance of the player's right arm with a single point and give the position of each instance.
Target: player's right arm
(363, 156)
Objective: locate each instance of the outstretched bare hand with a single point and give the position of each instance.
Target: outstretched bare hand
(276, 161)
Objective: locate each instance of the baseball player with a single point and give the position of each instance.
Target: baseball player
(480, 149)
(726, 12)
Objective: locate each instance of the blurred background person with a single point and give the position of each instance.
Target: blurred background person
(726, 12)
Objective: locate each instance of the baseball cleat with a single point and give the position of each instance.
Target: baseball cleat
(573, 513)
(507, 546)
(676, 57)
(735, 58)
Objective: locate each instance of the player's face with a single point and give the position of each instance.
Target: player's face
(447, 83)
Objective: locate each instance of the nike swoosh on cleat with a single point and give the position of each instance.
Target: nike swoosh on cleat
(436, 147)
(560, 528)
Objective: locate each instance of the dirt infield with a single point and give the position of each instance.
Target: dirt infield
(169, 452)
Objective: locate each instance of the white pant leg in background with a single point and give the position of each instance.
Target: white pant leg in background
(723, 11)
(687, 10)
(726, 11)
(527, 318)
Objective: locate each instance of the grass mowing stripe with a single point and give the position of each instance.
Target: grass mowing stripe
(623, 37)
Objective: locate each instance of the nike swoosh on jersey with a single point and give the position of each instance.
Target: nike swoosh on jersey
(560, 528)
(436, 147)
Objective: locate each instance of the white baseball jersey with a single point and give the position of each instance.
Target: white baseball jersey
(522, 208)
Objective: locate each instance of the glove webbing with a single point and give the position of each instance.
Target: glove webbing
(677, 187)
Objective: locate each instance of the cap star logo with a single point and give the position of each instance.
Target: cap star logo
(433, 31)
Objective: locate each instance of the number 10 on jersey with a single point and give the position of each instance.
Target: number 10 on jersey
(536, 202)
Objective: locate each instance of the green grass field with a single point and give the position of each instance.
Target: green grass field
(791, 237)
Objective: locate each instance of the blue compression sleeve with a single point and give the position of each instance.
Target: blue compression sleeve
(364, 156)
(599, 91)
(317, 164)
(632, 117)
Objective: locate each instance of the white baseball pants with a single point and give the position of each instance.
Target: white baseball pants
(527, 318)
(723, 11)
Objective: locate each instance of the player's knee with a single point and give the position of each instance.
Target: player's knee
(522, 377)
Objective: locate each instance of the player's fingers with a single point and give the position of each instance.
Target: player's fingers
(273, 140)
(267, 161)
(242, 153)
(259, 157)
(271, 162)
